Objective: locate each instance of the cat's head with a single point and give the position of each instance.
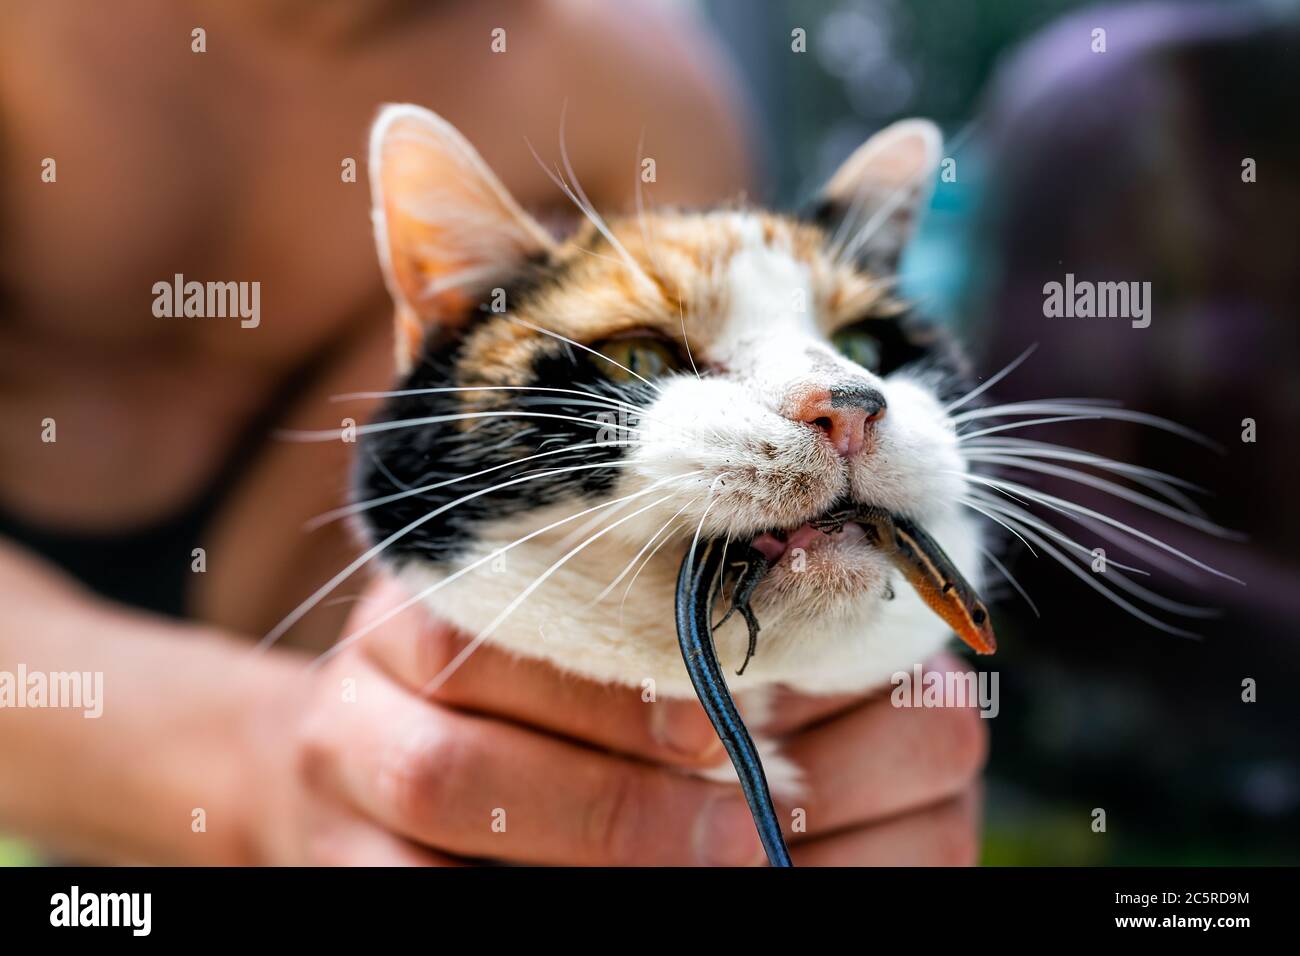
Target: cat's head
(572, 412)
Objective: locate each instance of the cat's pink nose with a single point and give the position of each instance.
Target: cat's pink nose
(846, 414)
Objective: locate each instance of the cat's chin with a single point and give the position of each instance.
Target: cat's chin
(835, 615)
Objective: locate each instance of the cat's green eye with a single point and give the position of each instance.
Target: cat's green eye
(857, 345)
(646, 356)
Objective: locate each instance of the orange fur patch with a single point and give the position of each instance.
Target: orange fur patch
(686, 256)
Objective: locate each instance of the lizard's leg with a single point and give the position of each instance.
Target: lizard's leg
(753, 568)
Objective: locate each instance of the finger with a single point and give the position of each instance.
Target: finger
(944, 835)
(351, 840)
(478, 787)
(791, 711)
(415, 650)
(877, 761)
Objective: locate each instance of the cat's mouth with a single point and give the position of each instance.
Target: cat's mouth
(845, 522)
(777, 542)
(907, 546)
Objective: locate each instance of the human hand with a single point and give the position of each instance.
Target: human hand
(511, 760)
(885, 786)
(569, 771)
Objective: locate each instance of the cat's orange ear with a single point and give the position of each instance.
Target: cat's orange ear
(446, 229)
(874, 200)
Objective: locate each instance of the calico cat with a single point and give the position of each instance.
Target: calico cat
(573, 413)
(732, 371)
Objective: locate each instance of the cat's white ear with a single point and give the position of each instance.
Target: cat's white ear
(875, 199)
(446, 229)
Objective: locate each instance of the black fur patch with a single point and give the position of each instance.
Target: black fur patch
(911, 342)
(936, 353)
(400, 459)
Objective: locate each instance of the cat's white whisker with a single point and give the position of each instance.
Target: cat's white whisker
(964, 437)
(454, 665)
(650, 249)
(1034, 448)
(468, 450)
(357, 507)
(624, 257)
(622, 605)
(579, 345)
(328, 587)
(637, 557)
(384, 469)
(1155, 599)
(681, 317)
(336, 434)
(970, 503)
(590, 207)
(414, 599)
(1019, 516)
(1154, 557)
(546, 400)
(1022, 516)
(406, 392)
(1075, 407)
(1160, 601)
(1071, 508)
(579, 533)
(1158, 481)
(1112, 488)
(695, 540)
(1092, 582)
(1002, 569)
(578, 197)
(720, 580)
(992, 380)
(1168, 492)
(1087, 400)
